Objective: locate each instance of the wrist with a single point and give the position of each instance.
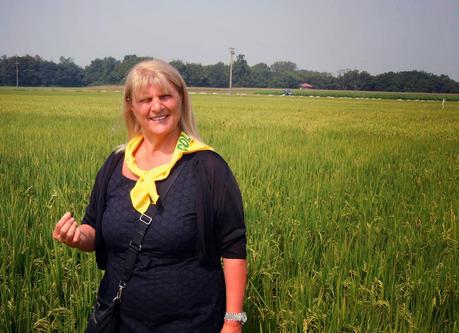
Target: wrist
(232, 323)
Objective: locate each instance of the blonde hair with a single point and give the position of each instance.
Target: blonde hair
(159, 72)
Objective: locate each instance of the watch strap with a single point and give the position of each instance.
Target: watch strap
(240, 317)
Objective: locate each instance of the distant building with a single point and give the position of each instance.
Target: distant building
(306, 86)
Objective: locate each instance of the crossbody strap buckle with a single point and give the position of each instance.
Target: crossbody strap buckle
(145, 219)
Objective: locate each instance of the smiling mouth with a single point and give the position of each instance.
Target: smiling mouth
(159, 118)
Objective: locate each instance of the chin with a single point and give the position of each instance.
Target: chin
(161, 133)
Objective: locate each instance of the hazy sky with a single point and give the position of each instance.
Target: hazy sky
(325, 35)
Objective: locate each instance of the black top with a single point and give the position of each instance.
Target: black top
(169, 290)
(219, 212)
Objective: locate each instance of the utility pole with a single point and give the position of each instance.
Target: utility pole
(17, 72)
(232, 52)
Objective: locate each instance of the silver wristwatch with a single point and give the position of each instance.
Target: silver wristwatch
(240, 317)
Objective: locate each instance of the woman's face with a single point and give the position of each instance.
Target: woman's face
(158, 110)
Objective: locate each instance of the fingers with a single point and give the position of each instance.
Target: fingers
(71, 232)
(65, 228)
(60, 224)
(67, 231)
(76, 238)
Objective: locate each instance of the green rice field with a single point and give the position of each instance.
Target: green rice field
(351, 207)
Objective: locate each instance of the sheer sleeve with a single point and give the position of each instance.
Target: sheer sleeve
(96, 206)
(229, 213)
(220, 215)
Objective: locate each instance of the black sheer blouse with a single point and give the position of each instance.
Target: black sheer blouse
(221, 229)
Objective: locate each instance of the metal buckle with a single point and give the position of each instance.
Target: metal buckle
(135, 247)
(145, 219)
(119, 293)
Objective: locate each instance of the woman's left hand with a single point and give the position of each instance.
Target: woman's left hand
(231, 327)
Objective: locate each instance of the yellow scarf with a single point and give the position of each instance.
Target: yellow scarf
(144, 191)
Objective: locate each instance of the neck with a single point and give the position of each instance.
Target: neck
(165, 144)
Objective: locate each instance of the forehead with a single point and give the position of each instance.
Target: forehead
(155, 84)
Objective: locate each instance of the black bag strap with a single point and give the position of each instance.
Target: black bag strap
(135, 245)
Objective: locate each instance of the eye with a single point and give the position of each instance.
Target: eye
(145, 100)
(165, 97)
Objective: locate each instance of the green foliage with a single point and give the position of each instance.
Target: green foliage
(196, 75)
(261, 75)
(68, 74)
(218, 75)
(122, 68)
(103, 71)
(285, 80)
(415, 81)
(34, 71)
(318, 80)
(48, 71)
(30, 70)
(351, 207)
(283, 66)
(7, 71)
(355, 80)
(182, 68)
(241, 72)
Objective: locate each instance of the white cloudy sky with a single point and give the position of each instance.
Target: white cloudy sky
(325, 35)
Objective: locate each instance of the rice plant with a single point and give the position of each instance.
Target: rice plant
(351, 207)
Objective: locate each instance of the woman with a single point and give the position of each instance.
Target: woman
(178, 283)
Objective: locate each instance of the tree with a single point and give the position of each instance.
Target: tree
(7, 71)
(387, 82)
(285, 80)
(68, 74)
(284, 75)
(283, 66)
(29, 71)
(102, 71)
(197, 76)
(121, 69)
(444, 84)
(319, 80)
(48, 70)
(260, 75)
(182, 69)
(217, 75)
(34, 71)
(241, 72)
(355, 80)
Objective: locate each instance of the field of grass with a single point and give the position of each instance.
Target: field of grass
(414, 96)
(344, 94)
(351, 207)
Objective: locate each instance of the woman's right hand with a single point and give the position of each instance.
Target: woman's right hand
(67, 231)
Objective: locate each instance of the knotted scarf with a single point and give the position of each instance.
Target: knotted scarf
(144, 191)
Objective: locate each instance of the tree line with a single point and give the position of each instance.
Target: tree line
(35, 71)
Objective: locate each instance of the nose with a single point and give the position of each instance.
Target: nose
(155, 105)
